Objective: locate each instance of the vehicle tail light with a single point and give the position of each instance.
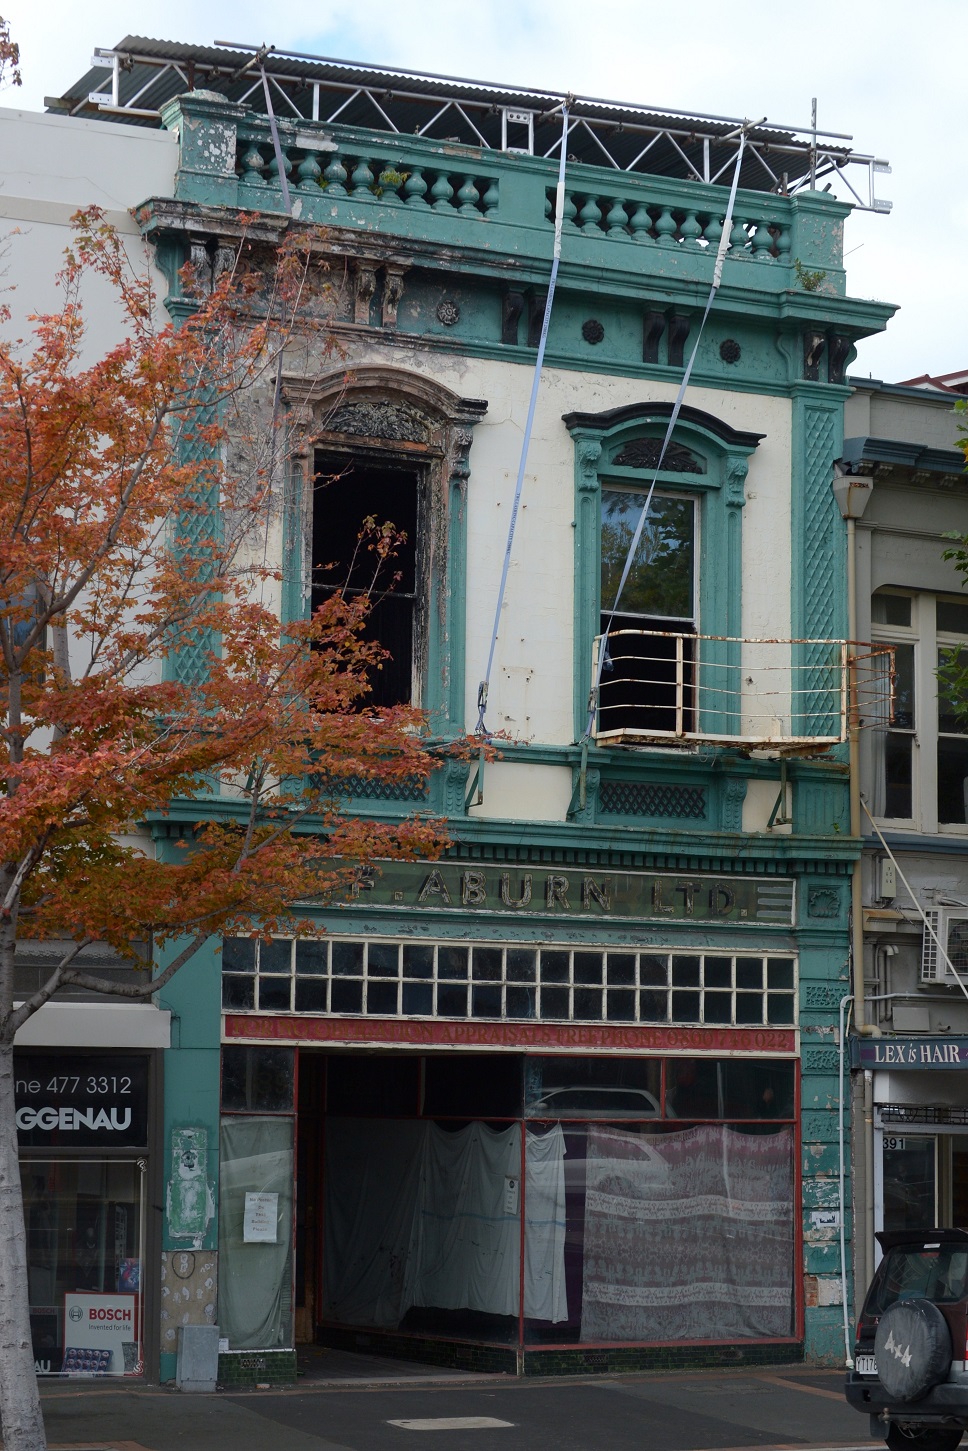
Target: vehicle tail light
(867, 1327)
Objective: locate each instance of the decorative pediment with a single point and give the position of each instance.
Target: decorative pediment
(378, 418)
(643, 453)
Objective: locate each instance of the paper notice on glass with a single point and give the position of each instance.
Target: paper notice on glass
(259, 1219)
(510, 1196)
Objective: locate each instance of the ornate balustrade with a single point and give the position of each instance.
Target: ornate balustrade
(444, 193)
(630, 214)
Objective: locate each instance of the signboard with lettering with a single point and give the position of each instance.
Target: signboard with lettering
(101, 1335)
(81, 1101)
(564, 893)
(900, 1053)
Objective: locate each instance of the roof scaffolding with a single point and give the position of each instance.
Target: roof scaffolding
(134, 80)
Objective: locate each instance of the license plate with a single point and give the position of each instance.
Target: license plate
(865, 1365)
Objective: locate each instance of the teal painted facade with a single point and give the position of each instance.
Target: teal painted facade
(439, 259)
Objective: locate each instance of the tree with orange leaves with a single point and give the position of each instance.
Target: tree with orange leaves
(133, 515)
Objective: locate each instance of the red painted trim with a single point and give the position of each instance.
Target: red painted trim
(565, 1037)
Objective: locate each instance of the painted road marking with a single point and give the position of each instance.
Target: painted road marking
(452, 1423)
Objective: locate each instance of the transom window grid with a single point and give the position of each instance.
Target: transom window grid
(509, 982)
(919, 762)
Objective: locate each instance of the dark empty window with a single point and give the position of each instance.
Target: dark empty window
(648, 673)
(355, 500)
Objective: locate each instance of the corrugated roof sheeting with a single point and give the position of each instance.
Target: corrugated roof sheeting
(615, 136)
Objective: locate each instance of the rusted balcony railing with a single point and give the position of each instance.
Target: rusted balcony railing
(677, 688)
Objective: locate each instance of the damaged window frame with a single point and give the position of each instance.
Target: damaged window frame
(386, 418)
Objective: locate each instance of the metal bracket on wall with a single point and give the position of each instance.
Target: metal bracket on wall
(475, 788)
(779, 816)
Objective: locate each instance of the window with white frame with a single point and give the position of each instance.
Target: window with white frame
(919, 763)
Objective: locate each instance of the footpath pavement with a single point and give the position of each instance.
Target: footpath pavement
(358, 1403)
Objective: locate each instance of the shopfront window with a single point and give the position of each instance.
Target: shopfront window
(85, 1222)
(652, 1199)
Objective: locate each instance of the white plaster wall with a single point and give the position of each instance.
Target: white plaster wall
(519, 791)
(51, 167)
(531, 696)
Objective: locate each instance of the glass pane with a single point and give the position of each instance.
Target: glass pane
(555, 1002)
(952, 703)
(685, 1007)
(909, 1188)
(487, 964)
(593, 1087)
(381, 998)
(749, 1008)
(311, 995)
(953, 616)
(685, 972)
(749, 972)
(418, 998)
(311, 956)
(346, 997)
(275, 956)
(418, 961)
(779, 1008)
(779, 972)
(588, 1004)
(238, 954)
(718, 971)
(520, 1002)
(255, 1273)
(952, 780)
(452, 964)
(891, 609)
(620, 969)
(522, 965)
(257, 1079)
(382, 959)
(588, 968)
(238, 993)
(85, 1242)
(554, 967)
(654, 1007)
(661, 579)
(653, 971)
(903, 687)
(620, 1005)
(717, 1007)
(486, 1002)
(348, 959)
(898, 776)
(275, 994)
(451, 1000)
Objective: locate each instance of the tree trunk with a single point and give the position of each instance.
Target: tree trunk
(20, 1415)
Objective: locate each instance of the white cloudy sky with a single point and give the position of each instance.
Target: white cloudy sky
(888, 72)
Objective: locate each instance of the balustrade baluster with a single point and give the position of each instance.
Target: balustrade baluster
(713, 233)
(665, 229)
(762, 243)
(691, 231)
(335, 175)
(641, 224)
(617, 220)
(571, 212)
(253, 163)
(309, 171)
(415, 190)
(737, 237)
(491, 197)
(388, 182)
(591, 215)
(272, 169)
(783, 244)
(469, 198)
(442, 191)
(362, 180)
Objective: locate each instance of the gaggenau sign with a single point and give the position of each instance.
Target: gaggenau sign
(82, 1100)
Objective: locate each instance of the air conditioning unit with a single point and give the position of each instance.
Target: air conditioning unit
(950, 924)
